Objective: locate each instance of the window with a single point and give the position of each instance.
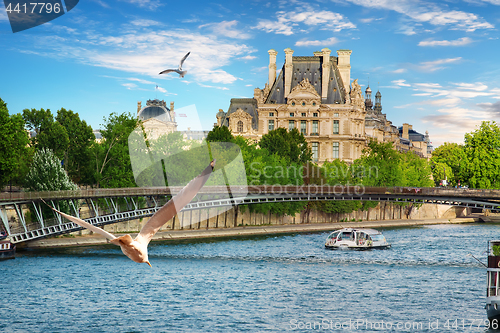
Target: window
(271, 125)
(336, 115)
(315, 114)
(315, 129)
(315, 151)
(336, 127)
(303, 114)
(271, 114)
(293, 103)
(291, 114)
(303, 127)
(303, 103)
(291, 125)
(335, 152)
(240, 126)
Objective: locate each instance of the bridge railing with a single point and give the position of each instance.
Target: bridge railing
(244, 190)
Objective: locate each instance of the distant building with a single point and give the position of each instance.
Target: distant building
(311, 94)
(156, 118)
(376, 124)
(411, 140)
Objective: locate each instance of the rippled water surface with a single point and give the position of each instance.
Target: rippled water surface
(425, 282)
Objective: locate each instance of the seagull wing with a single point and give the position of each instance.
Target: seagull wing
(174, 205)
(168, 71)
(182, 60)
(84, 224)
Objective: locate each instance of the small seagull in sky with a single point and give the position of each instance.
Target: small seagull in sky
(179, 70)
(137, 249)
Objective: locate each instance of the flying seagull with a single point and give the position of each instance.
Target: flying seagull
(179, 70)
(137, 249)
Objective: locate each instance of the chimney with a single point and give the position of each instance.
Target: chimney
(325, 76)
(344, 65)
(288, 71)
(405, 131)
(272, 66)
(410, 127)
(139, 107)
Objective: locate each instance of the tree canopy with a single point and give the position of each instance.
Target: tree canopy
(77, 157)
(290, 145)
(482, 148)
(13, 145)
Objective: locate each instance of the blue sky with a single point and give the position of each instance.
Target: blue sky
(436, 63)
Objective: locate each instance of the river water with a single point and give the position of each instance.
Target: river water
(426, 282)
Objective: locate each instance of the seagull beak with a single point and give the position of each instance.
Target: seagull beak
(147, 262)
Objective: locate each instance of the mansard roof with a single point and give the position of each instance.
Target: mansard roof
(249, 105)
(309, 68)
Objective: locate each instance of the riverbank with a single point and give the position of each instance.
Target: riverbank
(175, 235)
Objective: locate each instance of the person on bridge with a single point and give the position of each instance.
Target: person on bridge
(137, 249)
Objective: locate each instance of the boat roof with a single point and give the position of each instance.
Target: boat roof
(365, 230)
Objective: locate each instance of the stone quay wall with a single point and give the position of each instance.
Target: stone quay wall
(235, 217)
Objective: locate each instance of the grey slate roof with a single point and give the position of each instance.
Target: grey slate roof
(310, 68)
(249, 105)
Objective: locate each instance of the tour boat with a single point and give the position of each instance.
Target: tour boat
(493, 285)
(360, 239)
(7, 249)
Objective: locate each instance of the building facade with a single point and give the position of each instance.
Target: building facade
(311, 94)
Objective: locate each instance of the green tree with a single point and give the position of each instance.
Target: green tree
(47, 174)
(220, 134)
(78, 155)
(379, 166)
(416, 171)
(442, 171)
(452, 155)
(48, 132)
(288, 144)
(482, 148)
(112, 159)
(14, 149)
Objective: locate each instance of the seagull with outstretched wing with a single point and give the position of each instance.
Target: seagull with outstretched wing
(179, 70)
(137, 249)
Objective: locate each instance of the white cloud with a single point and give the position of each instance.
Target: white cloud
(145, 23)
(140, 80)
(399, 71)
(432, 66)
(148, 4)
(429, 12)
(208, 86)
(149, 52)
(3, 16)
(401, 83)
(248, 57)
(102, 3)
(458, 42)
(227, 29)
(326, 42)
(288, 20)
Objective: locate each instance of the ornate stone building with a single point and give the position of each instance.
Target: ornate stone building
(411, 140)
(311, 94)
(157, 118)
(376, 124)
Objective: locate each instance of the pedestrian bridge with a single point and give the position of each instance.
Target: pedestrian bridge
(25, 217)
